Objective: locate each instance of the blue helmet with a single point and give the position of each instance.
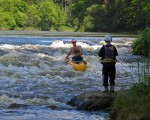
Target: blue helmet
(108, 37)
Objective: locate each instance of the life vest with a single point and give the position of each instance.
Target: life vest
(109, 54)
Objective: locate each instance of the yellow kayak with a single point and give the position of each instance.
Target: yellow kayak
(79, 66)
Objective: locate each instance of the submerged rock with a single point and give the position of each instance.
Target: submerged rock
(16, 106)
(95, 100)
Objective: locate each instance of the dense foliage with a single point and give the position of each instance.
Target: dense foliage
(141, 45)
(41, 14)
(135, 104)
(111, 15)
(80, 15)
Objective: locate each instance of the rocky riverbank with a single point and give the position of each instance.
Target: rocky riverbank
(98, 100)
(95, 100)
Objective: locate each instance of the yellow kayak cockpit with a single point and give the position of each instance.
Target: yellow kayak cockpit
(82, 66)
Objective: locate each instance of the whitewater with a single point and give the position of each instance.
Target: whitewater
(36, 82)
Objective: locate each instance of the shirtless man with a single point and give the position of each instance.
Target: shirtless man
(77, 51)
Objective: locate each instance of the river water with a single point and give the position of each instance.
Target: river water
(36, 83)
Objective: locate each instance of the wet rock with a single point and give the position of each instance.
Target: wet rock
(95, 100)
(60, 106)
(52, 107)
(16, 105)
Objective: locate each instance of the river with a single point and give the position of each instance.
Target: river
(36, 79)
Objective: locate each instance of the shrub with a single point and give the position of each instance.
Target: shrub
(134, 103)
(141, 44)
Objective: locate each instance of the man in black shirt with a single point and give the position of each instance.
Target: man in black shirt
(108, 55)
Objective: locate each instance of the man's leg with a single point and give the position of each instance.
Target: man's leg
(105, 76)
(112, 76)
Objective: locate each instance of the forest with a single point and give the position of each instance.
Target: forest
(75, 15)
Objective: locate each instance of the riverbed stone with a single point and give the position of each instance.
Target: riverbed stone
(95, 100)
(16, 106)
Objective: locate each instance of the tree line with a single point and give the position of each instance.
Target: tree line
(75, 15)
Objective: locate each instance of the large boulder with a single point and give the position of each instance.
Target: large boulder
(95, 100)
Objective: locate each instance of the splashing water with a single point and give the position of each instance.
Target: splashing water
(35, 78)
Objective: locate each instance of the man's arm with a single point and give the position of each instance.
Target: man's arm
(69, 53)
(81, 50)
(101, 52)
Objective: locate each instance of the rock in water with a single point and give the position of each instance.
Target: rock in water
(95, 100)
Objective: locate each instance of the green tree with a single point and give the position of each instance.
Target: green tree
(14, 13)
(35, 1)
(146, 10)
(93, 15)
(7, 21)
(76, 24)
(20, 5)
(141, 44)
(88, 24)
(7, 5)
(135, 15)
(48, 15)
(131, 14)
(21, 19)
(33, 16)
(60, 19)
(78, 11)
(96, 18)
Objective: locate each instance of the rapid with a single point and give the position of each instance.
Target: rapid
(36, 82)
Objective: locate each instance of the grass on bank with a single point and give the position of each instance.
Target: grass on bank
(135, 104)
